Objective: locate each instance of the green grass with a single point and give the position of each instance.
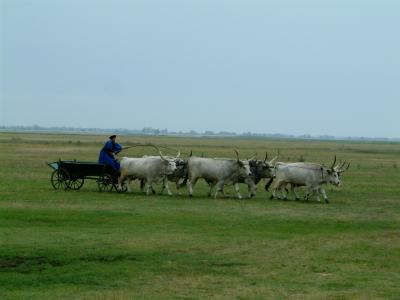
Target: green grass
(90, 245)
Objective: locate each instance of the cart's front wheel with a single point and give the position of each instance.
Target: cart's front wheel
(105, 183)
(60, 179)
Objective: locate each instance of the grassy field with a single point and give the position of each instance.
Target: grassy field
(91, 245)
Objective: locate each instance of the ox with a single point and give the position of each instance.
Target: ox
(310, 175)
(217, 171)
(179, 176)
(259, 169)
(152, 169)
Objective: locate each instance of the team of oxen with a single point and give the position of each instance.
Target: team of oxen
(218, 172)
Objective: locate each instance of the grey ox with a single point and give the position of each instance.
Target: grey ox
(259, 169)
(179, 176)
(219, 171)
(152, 169)
(310, 175)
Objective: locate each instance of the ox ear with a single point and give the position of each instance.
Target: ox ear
(240, 163)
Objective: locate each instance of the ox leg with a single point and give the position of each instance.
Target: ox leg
(142, 185)
(236, 186)
(178, 187)
(121, 179)
(294, 192)
(284, 192)
(282, 189)
(166, 186)
(316, 191)
(220, 188)
(162, 188)
(191, 184)
(150, 188)
(251, 187)
(211, 185)
(128, 184)
(277, 190)
(322, 191)
(307, 194)
(274, 190)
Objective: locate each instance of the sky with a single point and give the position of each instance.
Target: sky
(286, 66)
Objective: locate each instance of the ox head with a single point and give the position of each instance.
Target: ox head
(244, 166)
(334, 172)
(170, 164)
(269, 166)
(181, 167)
(262, 169)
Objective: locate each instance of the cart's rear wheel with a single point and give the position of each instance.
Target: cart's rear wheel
(105, 183)
(60, 179)
(76, 183)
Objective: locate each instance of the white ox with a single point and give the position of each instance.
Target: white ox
(180, 174)
(310, 175)
(217, 171)
(152, 169)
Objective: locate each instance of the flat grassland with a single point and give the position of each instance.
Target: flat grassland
(57, 244)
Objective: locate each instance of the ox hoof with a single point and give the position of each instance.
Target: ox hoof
(271, 197)
(297, 199)
(190, 195)
(326, 200)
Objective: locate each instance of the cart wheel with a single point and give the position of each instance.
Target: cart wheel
(105, 183)
(76, 183)
(60, 179)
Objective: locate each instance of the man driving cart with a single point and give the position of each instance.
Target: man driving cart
(108, 152)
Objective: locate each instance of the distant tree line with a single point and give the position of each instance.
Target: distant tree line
(150, 131)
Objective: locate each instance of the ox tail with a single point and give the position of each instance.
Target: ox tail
(268, 184)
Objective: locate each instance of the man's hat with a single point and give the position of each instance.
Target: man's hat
(112, 136)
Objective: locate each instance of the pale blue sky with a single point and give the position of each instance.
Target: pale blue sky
(293, 67)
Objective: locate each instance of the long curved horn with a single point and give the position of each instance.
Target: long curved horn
(334, 161)
(179, 154)
(341, 170)
(341, 164)
(253, 157)
(272, 160)
(162, 157)
(266, 156)
(237, 154)
(191, 153)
